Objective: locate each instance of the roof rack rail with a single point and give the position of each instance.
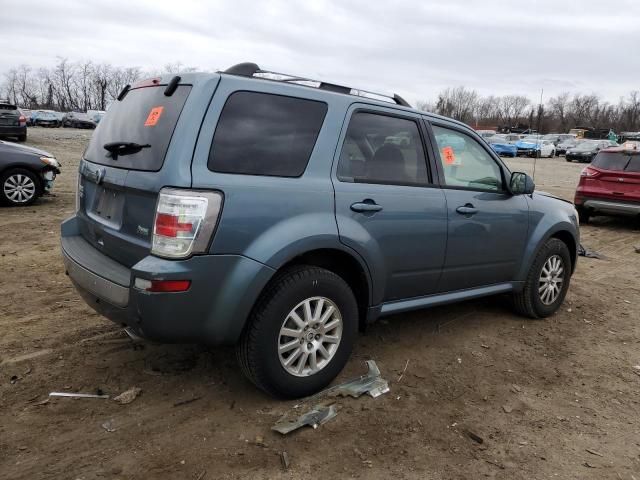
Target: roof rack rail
(249, 69)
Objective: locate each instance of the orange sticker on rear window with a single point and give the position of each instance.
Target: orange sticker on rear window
(154, 116)
(448, 155)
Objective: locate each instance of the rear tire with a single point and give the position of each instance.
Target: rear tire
(277, 346)
(542, 294)
(22, 138)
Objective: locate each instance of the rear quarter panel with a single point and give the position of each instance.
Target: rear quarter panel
(266, 218)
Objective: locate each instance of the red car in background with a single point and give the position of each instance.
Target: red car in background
(611, 184)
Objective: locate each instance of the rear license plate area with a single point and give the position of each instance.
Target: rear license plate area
(107, 207)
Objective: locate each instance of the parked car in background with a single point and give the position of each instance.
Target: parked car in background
(486, 133)
(25, 173)
(611, 184)
(12, 122)
(47, 119)
(95, 115)
(501, 146)
(567, 144)
(223, 233)
(587, 149)
(536, 146)
(78, 120)
(514, 137)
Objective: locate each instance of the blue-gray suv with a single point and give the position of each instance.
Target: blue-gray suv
(282, 215)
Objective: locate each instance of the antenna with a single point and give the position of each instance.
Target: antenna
(535, 158)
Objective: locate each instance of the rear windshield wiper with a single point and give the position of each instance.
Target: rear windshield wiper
(123, 148)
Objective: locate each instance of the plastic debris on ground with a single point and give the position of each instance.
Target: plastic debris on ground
(585, 252)
(313, 418)
(371, 383)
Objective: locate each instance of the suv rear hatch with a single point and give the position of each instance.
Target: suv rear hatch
(9, 115)
(616, 175)
(144, 143)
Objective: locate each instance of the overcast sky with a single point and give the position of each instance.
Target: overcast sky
(415, 48)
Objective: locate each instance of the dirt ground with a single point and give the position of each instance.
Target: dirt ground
(557, 398)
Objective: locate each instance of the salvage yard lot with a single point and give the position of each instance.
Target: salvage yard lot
(556, 398)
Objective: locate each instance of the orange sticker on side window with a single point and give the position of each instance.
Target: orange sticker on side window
(153, 117)
(448, 155)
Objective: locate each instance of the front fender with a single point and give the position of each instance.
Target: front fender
(547, 217)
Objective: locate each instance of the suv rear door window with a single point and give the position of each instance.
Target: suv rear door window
(266, 134)
(382, 149)
(144, 116)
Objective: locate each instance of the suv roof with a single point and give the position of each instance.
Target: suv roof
(253, 71)
(249, 69)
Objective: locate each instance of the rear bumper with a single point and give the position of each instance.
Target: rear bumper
(213, 311)
(613, 207)
(6, 130)
(579, 158)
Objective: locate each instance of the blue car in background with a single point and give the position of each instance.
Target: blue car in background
(528, 146)
(502, 147)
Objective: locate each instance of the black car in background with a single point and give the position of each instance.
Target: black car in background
(25, 173)
(587, 149)
(78, 120)
(12, 122)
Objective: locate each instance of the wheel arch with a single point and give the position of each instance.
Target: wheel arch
(569, 240)
(344, 264)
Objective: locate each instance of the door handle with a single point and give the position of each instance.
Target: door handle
(366, 206)
(467, 209)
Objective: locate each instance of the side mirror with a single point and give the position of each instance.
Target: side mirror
(521, 184)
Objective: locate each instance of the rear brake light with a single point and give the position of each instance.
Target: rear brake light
(589, 172)
(185, 221)
(22, 119)
(162, 286)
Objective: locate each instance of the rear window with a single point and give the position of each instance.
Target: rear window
(145, 116)
(265, 134)
(6, 106)
(634, 164)
(615, 161)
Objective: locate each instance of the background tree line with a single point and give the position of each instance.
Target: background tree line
(70, 86)
(557, 114)
(86, 85)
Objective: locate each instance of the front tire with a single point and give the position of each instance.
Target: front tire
(547, 281)
(300, 333)
(19, 187)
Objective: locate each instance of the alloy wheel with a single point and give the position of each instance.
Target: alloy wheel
(19, 188)
(551, 280)
(310, 336)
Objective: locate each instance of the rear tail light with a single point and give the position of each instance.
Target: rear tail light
(162, 286)
(589, 172)
(22, 119)
(185, 222)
